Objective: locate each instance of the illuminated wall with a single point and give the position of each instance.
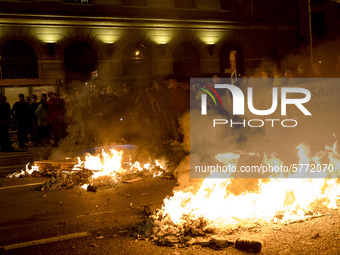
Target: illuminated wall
(159, 26)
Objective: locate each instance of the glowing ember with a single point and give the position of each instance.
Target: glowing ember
(269, 200)
(27, 171)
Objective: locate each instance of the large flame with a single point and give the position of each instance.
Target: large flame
(273, 199)
(109, 163)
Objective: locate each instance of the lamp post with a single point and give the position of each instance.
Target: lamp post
(310, 33)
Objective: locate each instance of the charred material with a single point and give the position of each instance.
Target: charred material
(67, 180)
(67, 174)
(160, 229)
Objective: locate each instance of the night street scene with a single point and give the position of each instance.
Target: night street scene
(169, 127)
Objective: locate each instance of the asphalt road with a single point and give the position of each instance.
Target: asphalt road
(81, 222)
(27, 214)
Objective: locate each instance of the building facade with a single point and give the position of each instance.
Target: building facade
(62, 44)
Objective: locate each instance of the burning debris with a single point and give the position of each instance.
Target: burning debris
(67, 180)
(220, 208)
(163, 231)
(101, 170)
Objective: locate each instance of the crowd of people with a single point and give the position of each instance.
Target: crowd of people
(149, 113)
(36, 123)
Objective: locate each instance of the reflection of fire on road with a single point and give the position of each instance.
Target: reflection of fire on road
(101, 169)
(220, 206)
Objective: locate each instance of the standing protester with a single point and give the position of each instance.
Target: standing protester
(56, 112)
(34, 121)
(159, 105)
(21, 112)
(5, 123)
(41, 115)
(27, 100)
(178, 102)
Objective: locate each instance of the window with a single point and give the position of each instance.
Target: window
(80, 60)
(230, 5)
(136, 60)
(78, 1)
(18, 60)
(186, 59)
(134, 2)
(187, 4)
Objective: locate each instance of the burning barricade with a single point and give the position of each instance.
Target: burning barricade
(216, 212)
(102, 169)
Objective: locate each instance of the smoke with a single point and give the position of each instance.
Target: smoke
(108, 116)
(297, 63)
(117, 114)
(254, 144)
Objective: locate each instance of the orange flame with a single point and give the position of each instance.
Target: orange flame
(109, 163)
(272, 200)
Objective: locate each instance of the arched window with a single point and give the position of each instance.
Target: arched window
(80, 60)
(136, 60)
(225, 58)
(186, 59)
(18, 60)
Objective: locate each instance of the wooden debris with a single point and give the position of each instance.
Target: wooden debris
(133, 180)
(64, 175)
(55, 165)
(68, 180)
(167, 177)
(160, 229)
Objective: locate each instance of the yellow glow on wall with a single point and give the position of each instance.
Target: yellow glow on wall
(108, 38)
(49, 34)
(210, 40)
(160, 39)
(49, 37)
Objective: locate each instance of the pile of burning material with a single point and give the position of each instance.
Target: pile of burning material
(67, 180)
(164, 232)
(104, 169)
(212, 213)
(44, 168)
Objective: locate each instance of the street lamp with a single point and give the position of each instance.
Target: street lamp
(310, 33)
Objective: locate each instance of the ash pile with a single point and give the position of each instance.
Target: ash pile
(160, 229)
